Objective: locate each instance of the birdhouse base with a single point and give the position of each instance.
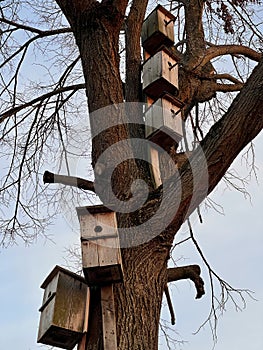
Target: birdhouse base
(158, 87)
(103, 275)
(165, 138)
(158, 39)
(59, 337)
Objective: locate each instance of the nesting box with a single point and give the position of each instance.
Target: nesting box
(64, 310)
(101, 256)
(163, 121)
(160, 74)
(157, 30)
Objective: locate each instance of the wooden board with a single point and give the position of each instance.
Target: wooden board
(154, 160)
(82, 343)
(108, 318)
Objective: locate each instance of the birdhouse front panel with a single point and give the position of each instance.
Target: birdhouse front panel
(158, 30)
(101, 257)
(160, 74)
(163, 121)
(63, 311)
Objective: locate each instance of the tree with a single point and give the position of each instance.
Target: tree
(207, 31)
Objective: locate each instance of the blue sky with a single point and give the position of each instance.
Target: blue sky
(232, 243)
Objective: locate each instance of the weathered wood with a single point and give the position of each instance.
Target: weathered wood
(82, 343)
(163, 122)
(108, 318)
(63, 309)
(160, 74)
(154, 160)
(158, 30)
(101, 257)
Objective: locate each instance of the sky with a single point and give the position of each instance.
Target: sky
(231, 242)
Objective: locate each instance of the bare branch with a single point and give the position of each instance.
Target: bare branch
(191, 272)
(227, 77)
(170, 305)
(221, 50)
(229, 87)
(41, 98)
(227, 292)
(42, 33)
(39, 36)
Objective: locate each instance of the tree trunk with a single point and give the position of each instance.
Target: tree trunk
(96, 27)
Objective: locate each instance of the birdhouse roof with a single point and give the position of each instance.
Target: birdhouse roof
(94, 209)
(58, 269)
(164, 11)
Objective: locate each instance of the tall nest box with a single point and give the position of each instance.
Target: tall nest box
(158, 30)
(101, 255)
(164, 122)
(64, 309)
(160, 74)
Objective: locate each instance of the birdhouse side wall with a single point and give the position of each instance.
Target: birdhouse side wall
(172, 117)
(47, 314)
(166, 26)
(152, 69)
(50, 289)
(46, 320)
(154, 118)
(169, 69)
(70, 304)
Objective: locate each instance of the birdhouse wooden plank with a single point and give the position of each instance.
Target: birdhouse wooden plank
(158, 30)
(64, 309)
(108, 318)
(101, 256)
(155, 168)
(163, 121)
(160, 74)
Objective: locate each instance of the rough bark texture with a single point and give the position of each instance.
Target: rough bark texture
(96, 27)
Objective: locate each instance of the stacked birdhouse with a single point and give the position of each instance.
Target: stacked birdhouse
(160, 86)
(101, 262)
(65, 307)
(101, 256)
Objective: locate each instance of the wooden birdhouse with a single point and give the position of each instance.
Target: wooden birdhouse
(163, 121)
(158, 30)
(101, 256)
(64, 312)
(160, 74)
